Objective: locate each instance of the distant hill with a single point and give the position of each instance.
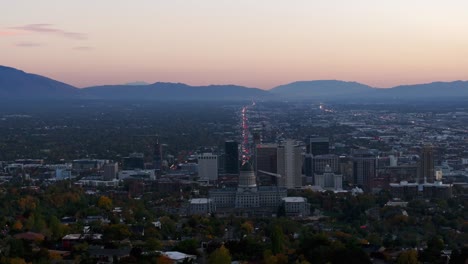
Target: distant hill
(320, 89)
(174, 91)
(16, 84)
(454, 89)
(353, 91)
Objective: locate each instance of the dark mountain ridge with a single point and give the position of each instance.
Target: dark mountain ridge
(16, 85)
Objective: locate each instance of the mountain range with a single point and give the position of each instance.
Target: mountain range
(16, 85)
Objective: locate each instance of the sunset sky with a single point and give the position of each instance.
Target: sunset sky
(254, 43)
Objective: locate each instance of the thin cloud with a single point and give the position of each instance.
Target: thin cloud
(9, 33)
(49, 29)
(28, 44)
(83, 48)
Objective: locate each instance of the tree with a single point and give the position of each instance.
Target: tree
(247, 227)
(17, 225)
(220, 256)
(274, 259)
(58, 229)
(105, 203)
(408, 257)
(188, 246)
(432, 253)
(17, 248)
(117, 232)
(153, 244)
(277, 240)
(164, 260)
(168, 227)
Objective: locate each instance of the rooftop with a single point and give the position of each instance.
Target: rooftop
(294, 199)
(200, 201)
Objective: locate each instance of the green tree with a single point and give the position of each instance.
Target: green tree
(277, 240)
(188, 246)
(117, 232)
(153, 244)
(432, 253)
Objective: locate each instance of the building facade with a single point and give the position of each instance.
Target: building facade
(231, 157)
(364, 170)
(201, 206)
(207, 167)
(296, 206)
(289, 165)
(110, 171)
(328, 180)
(426, 163)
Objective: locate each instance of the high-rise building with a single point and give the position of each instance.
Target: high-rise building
(231, 157)
(289, 165)
(110, 171)
(320, 162)
(266, 156)
(134, 161)
(157, 156)
(207, 167)
(308, 165)
(427, 164)
(317, 145)
(364, 169)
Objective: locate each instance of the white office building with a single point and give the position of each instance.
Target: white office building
(329, 180)
(289, 165)
(207, 167)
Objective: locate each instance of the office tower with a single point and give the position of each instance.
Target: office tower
(207, 167)
(320, 162)
(308, 165)
(317, 145)
(231, 158)
(314, 146)
(221, 162)
(364, 169)
(266, 161)
(427, 164)
(110, 171)
(157, 156)
(133, 161)
(289, 165)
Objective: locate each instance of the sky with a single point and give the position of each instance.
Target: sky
(261, 43)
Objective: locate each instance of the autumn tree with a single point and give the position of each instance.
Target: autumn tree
(220, 256)
(105, 203)
(408, 257)
(247, 227)
(164, 260)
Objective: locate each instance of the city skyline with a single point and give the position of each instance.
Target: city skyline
(261, 44)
